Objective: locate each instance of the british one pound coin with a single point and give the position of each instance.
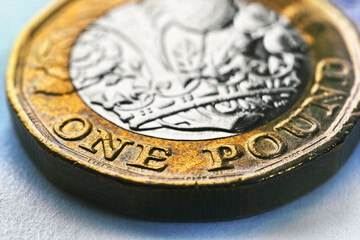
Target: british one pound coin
(187, 110)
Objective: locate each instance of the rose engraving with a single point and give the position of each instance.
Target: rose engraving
(214, 70)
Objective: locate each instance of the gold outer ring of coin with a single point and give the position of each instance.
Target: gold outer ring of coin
(152, 178)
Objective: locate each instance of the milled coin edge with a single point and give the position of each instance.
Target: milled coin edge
(266, 174)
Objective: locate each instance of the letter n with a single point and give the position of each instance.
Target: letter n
(111, 148)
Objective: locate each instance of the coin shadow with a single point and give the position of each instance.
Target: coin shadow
(282, 220)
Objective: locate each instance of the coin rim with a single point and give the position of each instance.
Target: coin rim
(351, 40)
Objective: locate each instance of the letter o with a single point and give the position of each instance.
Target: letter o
(267, 145)
(74, 135)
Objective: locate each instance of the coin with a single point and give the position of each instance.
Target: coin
(187, 110)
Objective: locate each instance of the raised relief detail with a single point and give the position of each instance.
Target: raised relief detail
(302, 125)
(189, 69)
(151, 158)
(267, 145)
(112, 147)
(223, 155)
(75, 128)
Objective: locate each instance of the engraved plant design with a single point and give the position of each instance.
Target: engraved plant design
(225, 75)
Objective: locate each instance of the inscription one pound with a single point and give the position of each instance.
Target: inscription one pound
(266, 145)
(79, 128)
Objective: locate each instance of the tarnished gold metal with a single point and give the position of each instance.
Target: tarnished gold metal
(148, 177)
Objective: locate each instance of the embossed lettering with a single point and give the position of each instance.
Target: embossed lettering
(151, 158)
(241, 83)
(267, 145)
(222, 155)
(333, 69)
(73, 128)
(300, 125)
(111, 148)
(327, 99)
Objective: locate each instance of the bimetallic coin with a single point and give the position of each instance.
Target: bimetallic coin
(187, 110)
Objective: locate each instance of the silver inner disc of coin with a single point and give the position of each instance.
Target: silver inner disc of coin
(190, 70)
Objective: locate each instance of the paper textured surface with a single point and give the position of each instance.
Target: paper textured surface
(33, 208)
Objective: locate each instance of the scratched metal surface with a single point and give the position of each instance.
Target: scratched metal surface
(32, 208)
